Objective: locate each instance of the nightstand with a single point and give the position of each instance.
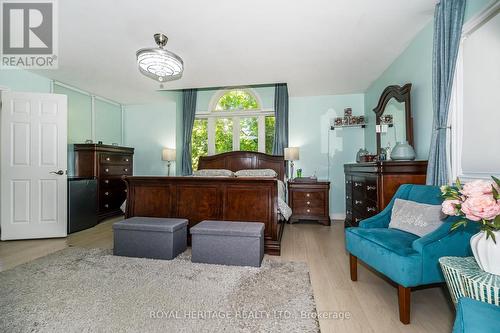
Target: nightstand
(309, 201)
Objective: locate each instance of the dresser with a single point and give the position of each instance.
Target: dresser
(369, 187)
(107, 164)
(309, 201)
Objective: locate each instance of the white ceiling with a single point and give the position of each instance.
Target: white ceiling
(318, 47)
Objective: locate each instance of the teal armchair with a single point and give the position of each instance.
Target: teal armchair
(408, 260)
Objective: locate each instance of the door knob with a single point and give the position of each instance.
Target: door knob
(60, 172)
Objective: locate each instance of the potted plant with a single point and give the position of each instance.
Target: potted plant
(479, 202)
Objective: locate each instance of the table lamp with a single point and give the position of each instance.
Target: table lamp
(168, 154)
(291, 154)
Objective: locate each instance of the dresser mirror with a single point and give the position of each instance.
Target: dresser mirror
(393, 117)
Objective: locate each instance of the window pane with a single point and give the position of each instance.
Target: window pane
(237, 100)
(223, 135)
(199, 141)
(249, 134)
(270, 121)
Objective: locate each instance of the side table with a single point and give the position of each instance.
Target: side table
(465, 279)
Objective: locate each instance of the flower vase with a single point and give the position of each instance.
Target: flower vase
(486, 252)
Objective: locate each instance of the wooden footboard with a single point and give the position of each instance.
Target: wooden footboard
(198, 199)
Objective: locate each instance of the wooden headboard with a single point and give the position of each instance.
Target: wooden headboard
(241, 160)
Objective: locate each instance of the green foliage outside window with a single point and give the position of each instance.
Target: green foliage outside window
(199, 141)
(223, 135)
(237, 100)
(249, 134)
(270, 121)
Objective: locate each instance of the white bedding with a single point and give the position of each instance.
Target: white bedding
(283, 208)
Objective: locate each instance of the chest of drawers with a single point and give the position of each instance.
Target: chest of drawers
(107, 164)
(369, 187)
(309, 201)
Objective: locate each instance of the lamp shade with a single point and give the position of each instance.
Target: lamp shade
(168, 154)
(292, 154)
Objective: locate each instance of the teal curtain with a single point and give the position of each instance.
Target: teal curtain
(281, 115)
(448, 22)
(188, 113)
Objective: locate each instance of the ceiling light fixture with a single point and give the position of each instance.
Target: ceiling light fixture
(159, 64)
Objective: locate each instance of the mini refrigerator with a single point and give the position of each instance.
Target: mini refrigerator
(82, 203)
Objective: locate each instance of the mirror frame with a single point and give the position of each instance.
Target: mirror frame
(401, 94)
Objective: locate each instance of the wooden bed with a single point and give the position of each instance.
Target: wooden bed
(204, 198)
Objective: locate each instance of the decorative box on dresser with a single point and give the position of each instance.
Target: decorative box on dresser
(107, 164)
(309, 201)
(370, 186)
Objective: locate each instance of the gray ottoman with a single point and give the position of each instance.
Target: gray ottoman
(228, 243)
(150, 237)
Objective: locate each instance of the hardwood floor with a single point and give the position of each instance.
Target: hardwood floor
(371, 301)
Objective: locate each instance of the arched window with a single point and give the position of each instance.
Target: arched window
(235, 120)
(236, 99)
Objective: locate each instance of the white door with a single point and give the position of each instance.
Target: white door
(33, 165)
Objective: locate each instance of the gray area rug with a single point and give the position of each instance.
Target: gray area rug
(90, 290)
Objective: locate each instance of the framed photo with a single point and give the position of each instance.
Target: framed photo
(348, 112)
(338, 121)
(386, 119)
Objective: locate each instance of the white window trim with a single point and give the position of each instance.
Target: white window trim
(456, 114)
(211, 115)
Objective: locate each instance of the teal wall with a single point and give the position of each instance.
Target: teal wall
(107, 115)
(79, 114)
(414, 65)
(322, 151)
(108, 122)
(149, 128)
(21, 80)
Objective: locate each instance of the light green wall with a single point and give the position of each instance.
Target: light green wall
(108, 122)
(21, 80)
(79, 114)
(414, 65)
(149, 128)
(323, 151)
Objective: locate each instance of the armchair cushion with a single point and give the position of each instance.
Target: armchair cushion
(475, 316)
(394, 240)
(414, 217)
(388, 251)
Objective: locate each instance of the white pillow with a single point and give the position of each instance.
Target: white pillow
(213, 173)
(256, 173)
(416, 218)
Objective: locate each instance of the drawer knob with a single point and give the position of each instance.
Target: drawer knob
(106, 193)
(126, 170)
(348, 212)
(358, 202)
(108, 159)
(106, 181)
(309, 202)
(308, 210)
(370, 209)
(106, 205)
(126, 160)
(308, 195)
(107, 170)
(356, 184)
(357, 219)
(371, 188)
(125, 190)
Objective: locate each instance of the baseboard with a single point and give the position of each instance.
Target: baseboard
(337, 216)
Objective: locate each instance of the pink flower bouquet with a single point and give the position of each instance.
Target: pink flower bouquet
(477, 201)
